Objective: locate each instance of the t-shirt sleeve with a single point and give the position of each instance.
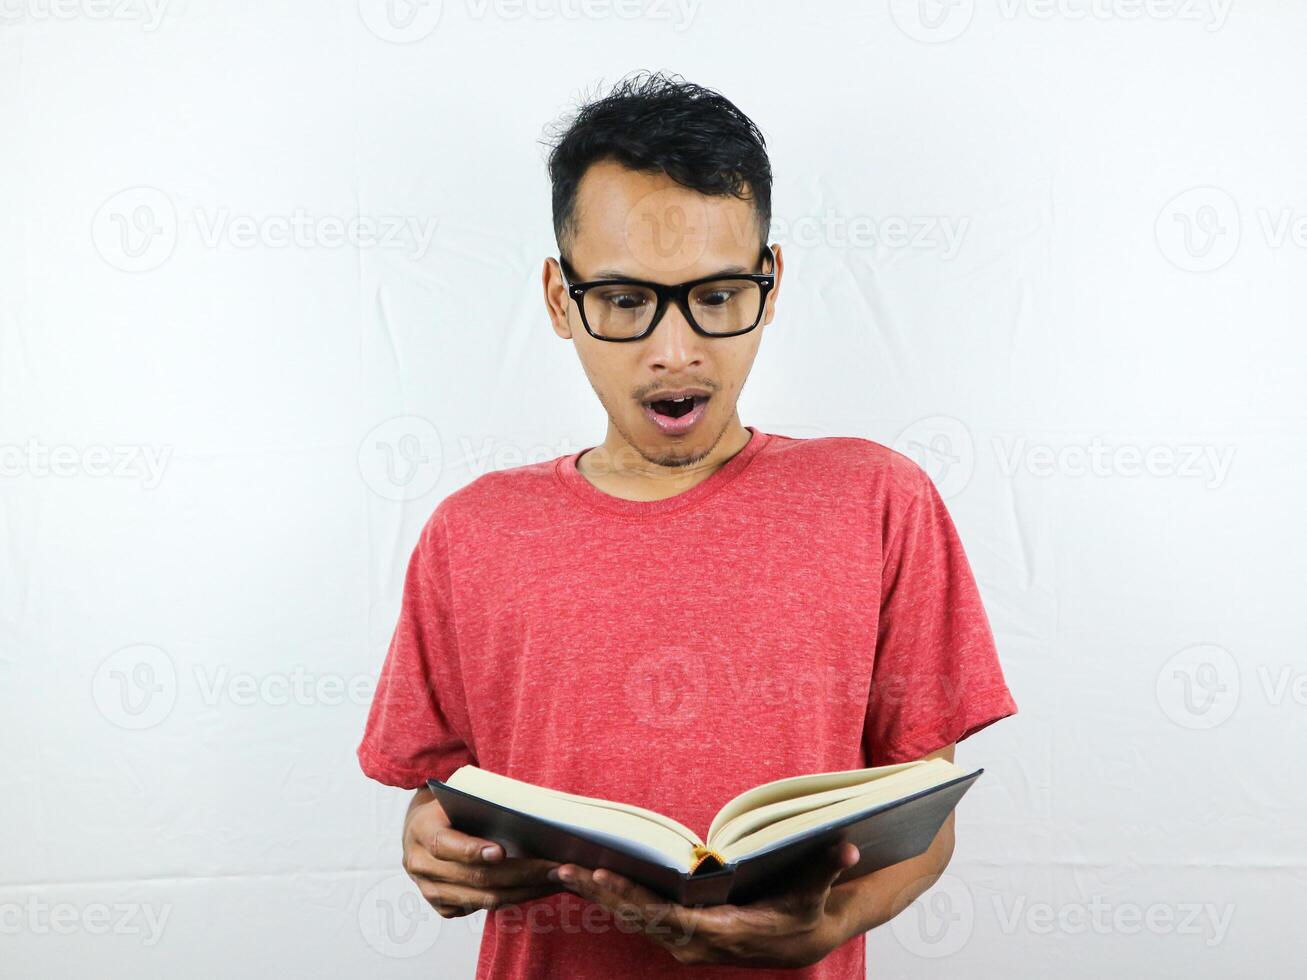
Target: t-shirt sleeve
(417, 727)
(936, 677)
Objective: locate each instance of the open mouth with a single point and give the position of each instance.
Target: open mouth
(678, 415)
(675, 408)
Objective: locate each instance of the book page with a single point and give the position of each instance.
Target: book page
(794, 787)
(616, 821)
(900, 785)
(751, 820)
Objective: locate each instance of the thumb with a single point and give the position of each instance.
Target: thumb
(812, 884)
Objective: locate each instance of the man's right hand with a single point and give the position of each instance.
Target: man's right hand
(459, 874)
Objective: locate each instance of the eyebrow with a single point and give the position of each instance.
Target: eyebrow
(730, 270)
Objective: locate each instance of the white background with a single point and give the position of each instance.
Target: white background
(219, 445)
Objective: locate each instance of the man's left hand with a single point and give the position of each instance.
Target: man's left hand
(796, 928)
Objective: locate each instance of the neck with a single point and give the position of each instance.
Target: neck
(621, 469)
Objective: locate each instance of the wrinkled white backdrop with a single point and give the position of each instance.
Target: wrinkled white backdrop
(269, 275)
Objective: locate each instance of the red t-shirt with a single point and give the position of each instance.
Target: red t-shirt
(806, 608)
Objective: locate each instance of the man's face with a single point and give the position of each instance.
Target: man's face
(647, 226)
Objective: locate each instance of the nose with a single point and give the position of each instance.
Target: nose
(674, 346)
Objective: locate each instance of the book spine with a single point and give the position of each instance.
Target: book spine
(703, 853)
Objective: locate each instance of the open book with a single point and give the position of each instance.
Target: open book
(891, 812)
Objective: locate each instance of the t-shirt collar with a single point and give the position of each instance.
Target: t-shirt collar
(593, 497)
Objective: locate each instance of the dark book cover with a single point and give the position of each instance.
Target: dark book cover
(885, 834)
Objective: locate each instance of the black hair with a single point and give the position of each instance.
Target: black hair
(658, 123)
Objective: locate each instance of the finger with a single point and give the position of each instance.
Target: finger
(633, 903)
(807, 896)
(445, 896)
(449, 844)
(511, 873)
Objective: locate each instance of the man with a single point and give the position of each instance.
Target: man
(687, 610)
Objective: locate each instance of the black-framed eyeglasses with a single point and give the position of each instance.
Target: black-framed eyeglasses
(629, 309)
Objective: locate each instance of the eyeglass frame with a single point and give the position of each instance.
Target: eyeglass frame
(678, 292)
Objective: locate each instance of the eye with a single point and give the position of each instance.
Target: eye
(623, 299)
(717, 296)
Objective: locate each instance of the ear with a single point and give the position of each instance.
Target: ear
(769, 309)
(557, 303)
